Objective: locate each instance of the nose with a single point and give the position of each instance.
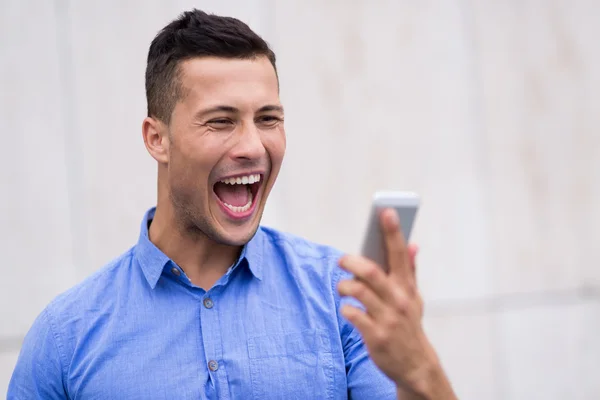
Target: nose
(249, 145)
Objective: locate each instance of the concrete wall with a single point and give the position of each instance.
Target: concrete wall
(487, 108)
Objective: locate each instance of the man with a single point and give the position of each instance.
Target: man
(208, 304)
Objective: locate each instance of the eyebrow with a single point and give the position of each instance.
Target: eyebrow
(271, 107)
(233, 110)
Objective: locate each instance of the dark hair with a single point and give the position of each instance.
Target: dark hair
(194, 34)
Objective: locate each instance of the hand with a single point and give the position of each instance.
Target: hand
(391, 326)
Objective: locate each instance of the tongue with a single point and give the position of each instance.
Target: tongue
(234, 195)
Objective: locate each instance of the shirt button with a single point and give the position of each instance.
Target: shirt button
(213, 365)
(175, 271)
(208, 303)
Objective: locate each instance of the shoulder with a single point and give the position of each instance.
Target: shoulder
(53, 334)
(303, 258)
(70, 311)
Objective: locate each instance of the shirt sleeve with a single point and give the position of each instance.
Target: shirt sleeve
(364, 379)
(39, 372)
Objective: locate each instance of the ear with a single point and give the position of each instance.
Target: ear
(156, 139)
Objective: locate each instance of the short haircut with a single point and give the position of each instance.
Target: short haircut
(194, 34)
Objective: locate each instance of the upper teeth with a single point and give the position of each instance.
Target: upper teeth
(242, 180)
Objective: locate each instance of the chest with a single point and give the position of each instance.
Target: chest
(215, 346)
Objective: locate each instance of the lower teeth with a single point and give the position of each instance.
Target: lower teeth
(243, 208)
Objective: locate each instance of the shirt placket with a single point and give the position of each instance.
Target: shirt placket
(211, 336)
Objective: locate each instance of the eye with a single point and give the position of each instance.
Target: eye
(219, 123)
(269, 120)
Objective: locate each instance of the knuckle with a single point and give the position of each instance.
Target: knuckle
(395, 241)
(372, 271)
(411, 289)
(381, 339)
(391, 324)
(358, 289)
(394, 237)
(401, 302)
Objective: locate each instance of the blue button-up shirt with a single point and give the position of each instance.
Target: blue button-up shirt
(270, 328)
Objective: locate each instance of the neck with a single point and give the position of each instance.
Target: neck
(203, 260)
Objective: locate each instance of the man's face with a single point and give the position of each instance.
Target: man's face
(226, 146)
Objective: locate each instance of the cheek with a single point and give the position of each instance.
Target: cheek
(275, 145)
(189, 168)
(199, 153)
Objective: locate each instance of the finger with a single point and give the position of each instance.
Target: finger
(363, 293)
(359, 319)
(395, 245)
(367, 272)
(413, 249)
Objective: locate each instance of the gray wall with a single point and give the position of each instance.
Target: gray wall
(487, 108)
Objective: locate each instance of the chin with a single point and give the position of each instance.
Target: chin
(238, 235)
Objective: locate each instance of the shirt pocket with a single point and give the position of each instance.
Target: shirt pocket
(288, 366)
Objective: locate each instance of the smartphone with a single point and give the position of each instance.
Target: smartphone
(406, 205)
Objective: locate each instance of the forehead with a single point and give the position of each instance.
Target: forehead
(236, 82)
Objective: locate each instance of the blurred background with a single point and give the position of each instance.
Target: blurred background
(487, 108)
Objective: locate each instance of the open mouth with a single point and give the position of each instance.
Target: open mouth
(237, 195)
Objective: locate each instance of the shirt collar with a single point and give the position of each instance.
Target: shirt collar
(153, 261)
